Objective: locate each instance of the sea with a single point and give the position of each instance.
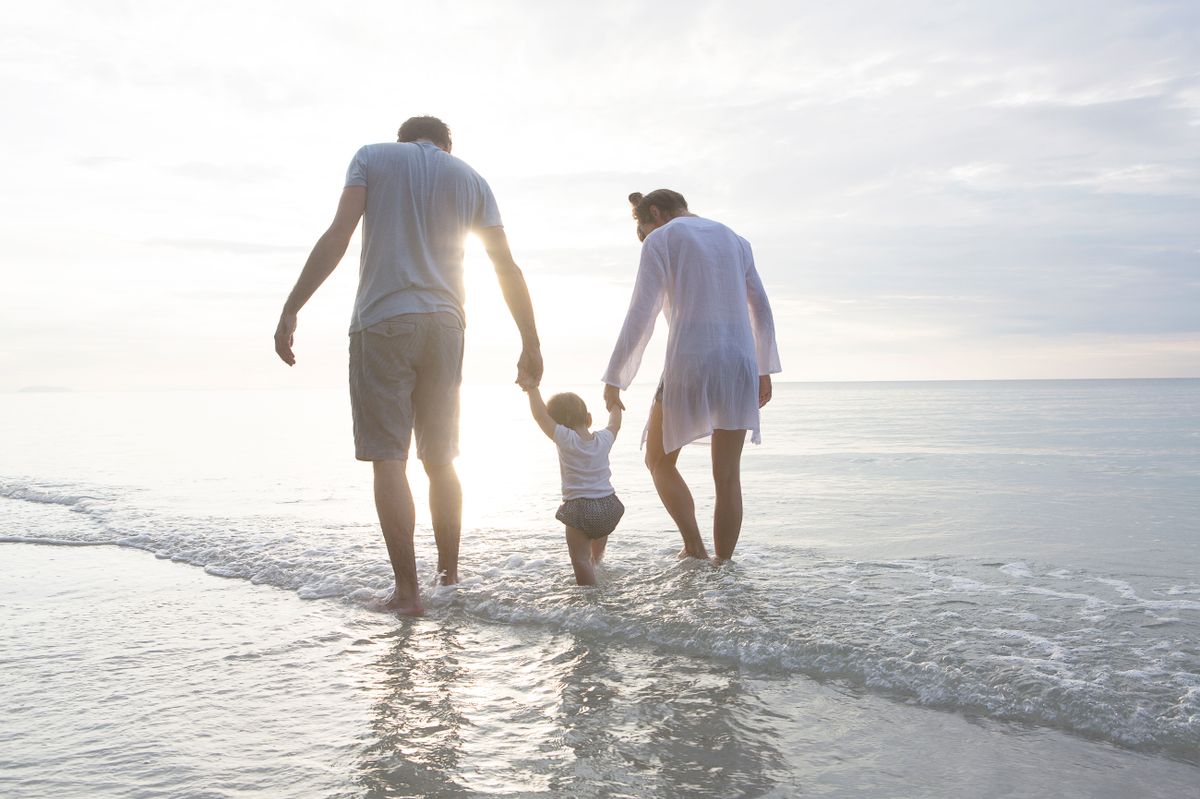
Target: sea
(942, 589)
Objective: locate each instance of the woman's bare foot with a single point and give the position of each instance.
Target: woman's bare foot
(686, 552)
(446, 578)
(405, 606)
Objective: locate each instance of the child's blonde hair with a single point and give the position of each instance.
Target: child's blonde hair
(567, 409)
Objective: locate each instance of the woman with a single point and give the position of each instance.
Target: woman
(721, 354)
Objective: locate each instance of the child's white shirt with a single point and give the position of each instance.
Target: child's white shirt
(584, 464)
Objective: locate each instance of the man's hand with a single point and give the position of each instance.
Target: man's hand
(284, 333)
(529, 368)
(612, 396)
(764, 390)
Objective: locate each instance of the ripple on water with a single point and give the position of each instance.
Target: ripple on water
(1093, 653)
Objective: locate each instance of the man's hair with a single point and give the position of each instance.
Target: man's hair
(567, 409)
(431, 128)
(667, 201)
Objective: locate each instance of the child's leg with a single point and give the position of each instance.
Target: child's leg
(579, 546)
(598, 545)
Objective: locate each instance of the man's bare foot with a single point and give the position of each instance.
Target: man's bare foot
(405, 606)
(719, 561)
(446, 578)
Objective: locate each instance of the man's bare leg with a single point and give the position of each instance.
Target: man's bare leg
(397, 518)
(445, 510)
(727, 478)
(580, 548)
(672, 490)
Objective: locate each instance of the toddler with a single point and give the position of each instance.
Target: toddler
(590, 507)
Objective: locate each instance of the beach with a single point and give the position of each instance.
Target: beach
(140, 677)
(940, 592)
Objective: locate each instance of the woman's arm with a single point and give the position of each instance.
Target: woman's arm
(762, 322)
(644, 307)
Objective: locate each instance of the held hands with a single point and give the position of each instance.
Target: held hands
(284, 334)
(764, 390)
(612, 396)
(529, 368)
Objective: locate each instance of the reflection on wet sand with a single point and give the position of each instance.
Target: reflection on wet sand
(415, 737)
(489, 710)
(643, 724)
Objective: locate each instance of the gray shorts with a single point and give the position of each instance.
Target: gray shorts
(405, 374)
(595, 518)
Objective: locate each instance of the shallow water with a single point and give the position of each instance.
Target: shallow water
(1008, 573)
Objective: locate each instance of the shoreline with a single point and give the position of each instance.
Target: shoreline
(265, 677)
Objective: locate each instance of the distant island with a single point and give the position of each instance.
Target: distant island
(43, 390)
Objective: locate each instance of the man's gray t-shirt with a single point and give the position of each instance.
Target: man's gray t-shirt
(421, 203)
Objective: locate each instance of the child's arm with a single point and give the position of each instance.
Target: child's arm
(614, 419)
(540, 414)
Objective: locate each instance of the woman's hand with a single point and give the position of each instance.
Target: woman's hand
(764, 390)
(612, 396)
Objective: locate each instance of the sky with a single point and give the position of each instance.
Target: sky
(933, 190)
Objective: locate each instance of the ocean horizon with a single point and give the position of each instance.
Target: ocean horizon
(777, 380)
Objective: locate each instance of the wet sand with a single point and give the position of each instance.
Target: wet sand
(131, 676)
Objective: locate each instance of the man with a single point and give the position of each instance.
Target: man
(406, 336)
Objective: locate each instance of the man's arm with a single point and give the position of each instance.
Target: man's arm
(323, 259)
(516, 295)
(540, 414)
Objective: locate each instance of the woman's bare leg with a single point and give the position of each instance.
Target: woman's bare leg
(727, 479)
(672, 490)
(580, 548)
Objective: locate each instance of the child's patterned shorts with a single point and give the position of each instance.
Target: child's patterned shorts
(596, 518)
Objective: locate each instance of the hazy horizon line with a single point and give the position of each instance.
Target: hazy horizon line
(488, 384)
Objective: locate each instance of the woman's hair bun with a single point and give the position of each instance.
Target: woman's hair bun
(636, 198)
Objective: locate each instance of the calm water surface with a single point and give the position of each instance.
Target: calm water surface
(1006, 574)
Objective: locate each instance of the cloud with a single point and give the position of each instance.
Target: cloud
(922, 180)
(229, 247)
(226, 173)
(98, 161)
